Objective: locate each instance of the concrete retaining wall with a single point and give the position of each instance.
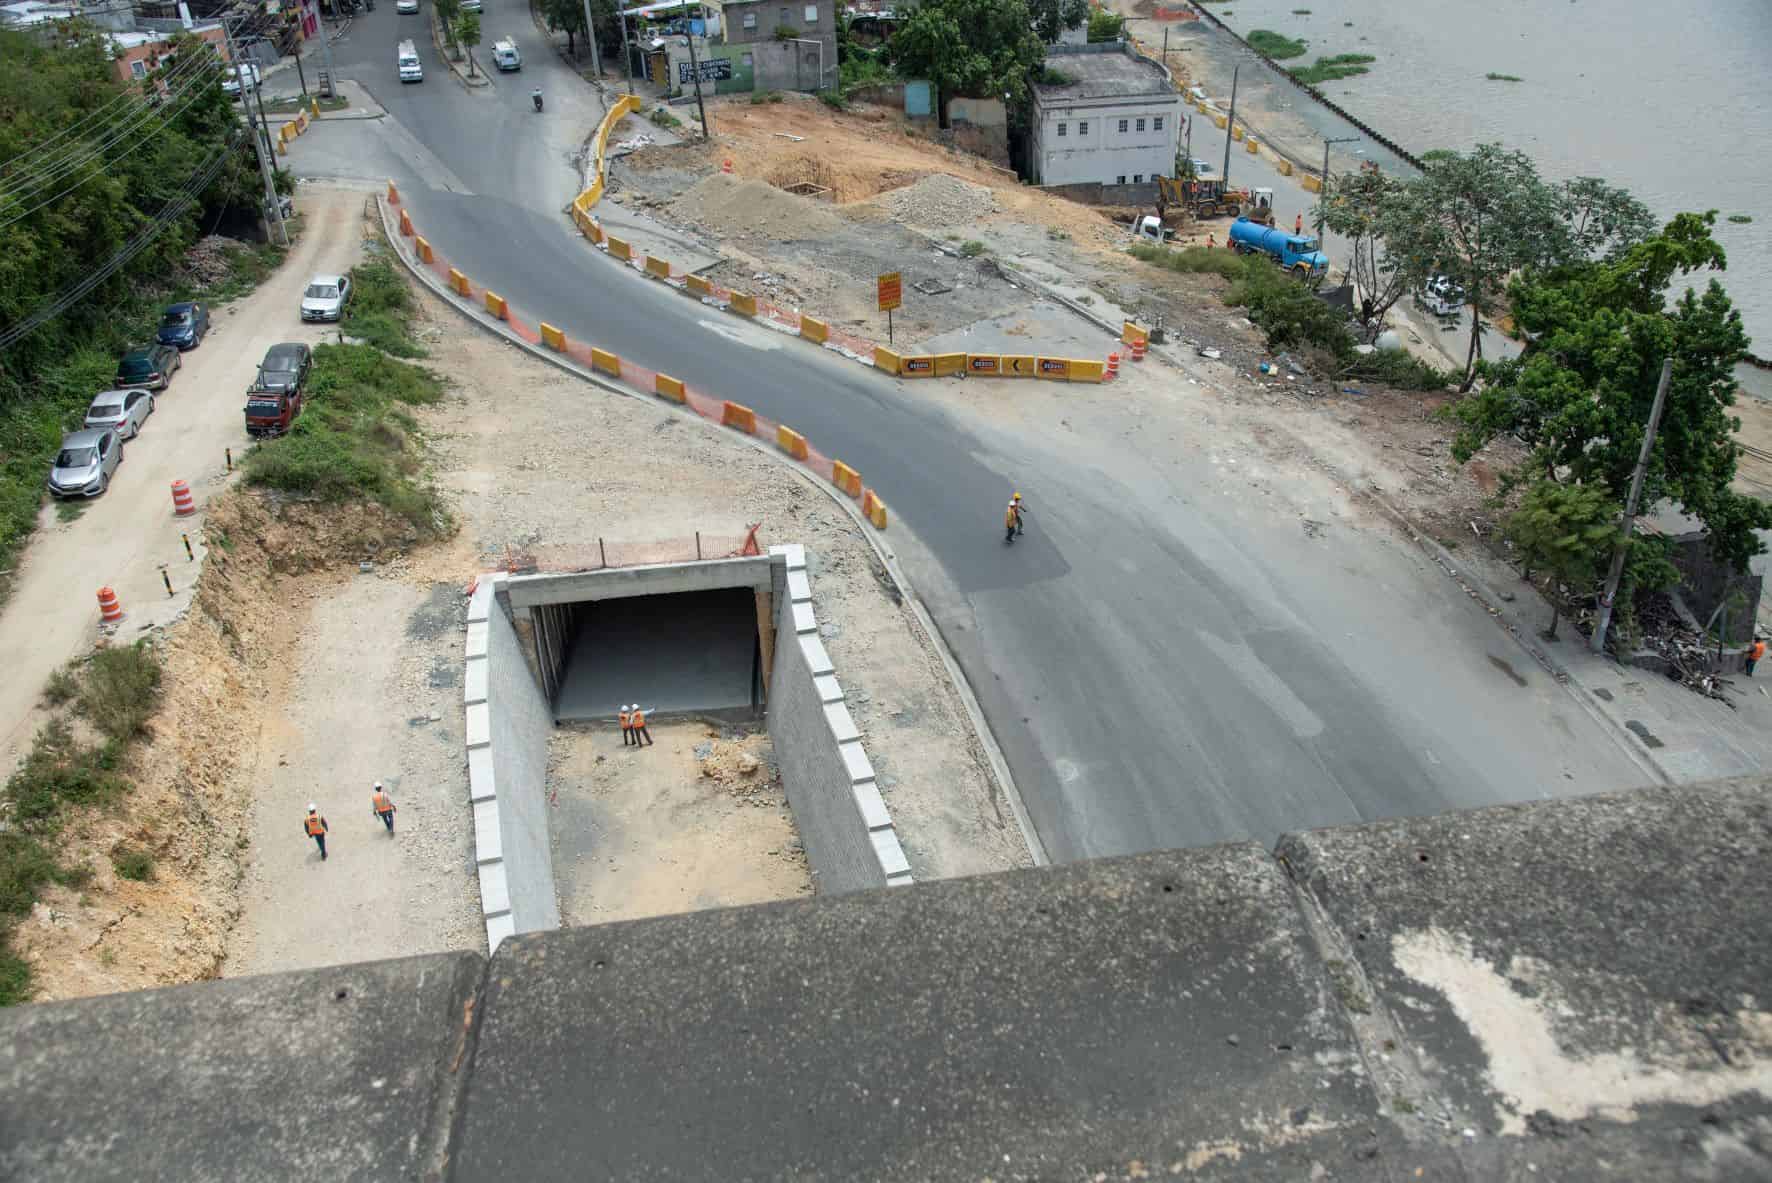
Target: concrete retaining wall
(1099, 193)
(843, 821)
(508, 724)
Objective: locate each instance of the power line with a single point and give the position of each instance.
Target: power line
(172, 210)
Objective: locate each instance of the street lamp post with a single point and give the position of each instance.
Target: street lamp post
(1326, 143)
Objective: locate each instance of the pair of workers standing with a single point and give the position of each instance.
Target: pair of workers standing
(633, 727)
(380, 805)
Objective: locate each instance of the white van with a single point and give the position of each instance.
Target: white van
(410, 70)
(505, 55)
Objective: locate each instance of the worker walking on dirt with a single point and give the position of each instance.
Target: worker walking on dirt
(1298, 224)
(1012, 523)
(1755, 651)
(315, 827)
(627, 726)
(638, 721)
(382, 806)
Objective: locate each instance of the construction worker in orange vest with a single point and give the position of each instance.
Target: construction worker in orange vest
(627, 726)
(1755, 651)
(315, 827)
(382, 805)
(1012, 523)
(638, 721)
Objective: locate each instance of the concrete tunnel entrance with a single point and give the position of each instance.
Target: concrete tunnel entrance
(680, 639)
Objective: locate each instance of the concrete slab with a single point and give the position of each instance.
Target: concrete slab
(476, 645)
(1158, 1010)
(497, 929)
(495, 893)
(659, 579)
(804, 620)
(488, 843)
(874, 813)
(1598, 964)
(890, 853)
(646, 235)
(479, 726)
(482, 784)
(855, 760)
(793, 552)
(841, 722)
(693, 651)
(474, 683)
(816, 658)
(829, 690)
(323, 1074)
(799, 587)
(480, 603)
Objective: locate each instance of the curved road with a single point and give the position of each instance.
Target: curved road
(1156, 678)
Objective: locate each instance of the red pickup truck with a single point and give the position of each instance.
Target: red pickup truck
(275, 398)
(269, 412)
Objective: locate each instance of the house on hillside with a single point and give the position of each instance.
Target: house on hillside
(1114, 121)
(791, 46)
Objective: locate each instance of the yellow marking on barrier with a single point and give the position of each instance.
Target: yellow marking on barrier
(949, 364)
(553, 338)
(700, 285)
(1219, 120)
(620, 249)
(845, 478)
(792, 442)
(660, 268)
(984, 365)
(874, 509)
(1020, 366)
(606, 362)
(424, 249)
(813, 329)
(315, 107)
(1237, 132)
(1313, 183)
(1284, 166)
(458, 281)
(496, 305)
(1058, 368)
(1253, 145)
(741, 417)
(887, 361)
(282, 147)
(743, 304)
(1087, 371)
(1131, 331)
(668, 387)
(920, 366)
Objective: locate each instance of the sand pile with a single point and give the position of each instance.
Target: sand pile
(939, 202)
(727, 206)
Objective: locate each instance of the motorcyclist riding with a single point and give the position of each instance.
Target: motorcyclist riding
(536, 96)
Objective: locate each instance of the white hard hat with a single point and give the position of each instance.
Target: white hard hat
(312, 807)
(378, 784)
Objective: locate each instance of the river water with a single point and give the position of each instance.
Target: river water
(1671, 99)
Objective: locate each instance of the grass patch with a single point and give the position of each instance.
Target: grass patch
(380, 311)
(972, 248)
(1191, 260)
(1275, 45)
(120, 689)
(664, 118)
(759, 97)
(71, 509)
(300, 104)
(63, 686)
(1400, 369)
(1740, 219)
(1331, 69)
(134, 865)
(1494, 77)
(862, 68)
(1051, 77)
(833, 99)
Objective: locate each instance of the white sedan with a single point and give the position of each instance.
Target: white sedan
(405, 5)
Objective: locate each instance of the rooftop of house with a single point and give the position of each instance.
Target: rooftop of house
(1100, 76)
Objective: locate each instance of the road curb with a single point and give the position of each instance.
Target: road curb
(478, 82)
(999, 765)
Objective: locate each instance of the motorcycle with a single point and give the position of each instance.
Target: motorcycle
(536, 96)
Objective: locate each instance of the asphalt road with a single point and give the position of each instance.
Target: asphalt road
(1162, 665)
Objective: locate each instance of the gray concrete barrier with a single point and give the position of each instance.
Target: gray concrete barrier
(508, 724)
(843, 821)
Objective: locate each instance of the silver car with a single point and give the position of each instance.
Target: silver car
(84, 466)
(123, 411)
(325, 297)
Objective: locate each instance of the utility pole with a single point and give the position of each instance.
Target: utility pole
(329, 90)
(1230, 126)
(1630, 511)
(627, 56)
(695, 69)
(1326, 143)
(273, 207)
(591, 36)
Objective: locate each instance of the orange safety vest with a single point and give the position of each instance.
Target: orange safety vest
(638, 720)
(1009, 518)
(316, 825)
(626, 721)
(1758, 651)
(382, 803)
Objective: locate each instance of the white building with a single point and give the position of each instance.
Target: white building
(1116, 122)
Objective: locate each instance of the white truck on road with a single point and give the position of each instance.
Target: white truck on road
(410, 69)
(505, 55)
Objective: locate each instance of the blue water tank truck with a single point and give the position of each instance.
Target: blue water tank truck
(1297, 253)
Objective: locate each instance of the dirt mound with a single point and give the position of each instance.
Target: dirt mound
(726, 205)
(939, 202)
(742, 767)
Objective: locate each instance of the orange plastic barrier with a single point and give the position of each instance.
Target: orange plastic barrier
(1131, 331)
(887, 361)
(620, 249)
(741, 417)
(393, 194)
(845, 478)
(744, 305)
(1113, 368)
(791, 442)
(405, 224)
(874, 509)
(496, 305)
(606, 362)
(110, 609)
(813, 329)
(668, 387)
(922, 366)
(1020, 366)
(948, 364)
(183, 504)
(1138, 348)
(458, 281)
(658, 268)
(552, 337)
(1086, 371)
(699, 285)
(985, 365)
(425, 254)
(1055, 367)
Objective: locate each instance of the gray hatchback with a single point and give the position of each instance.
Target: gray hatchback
(84, 466)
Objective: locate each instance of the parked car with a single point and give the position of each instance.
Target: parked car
(470, 5)
(271, 412)
(122, 411)
(245, 72)
(325, 297)
(284, 370)
(148, 366)
(184, 325)
(84, 466)
(406, 6)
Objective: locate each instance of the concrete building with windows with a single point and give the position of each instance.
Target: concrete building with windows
(802, 57)
(1115, 121)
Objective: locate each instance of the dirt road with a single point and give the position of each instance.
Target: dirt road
(121, 539)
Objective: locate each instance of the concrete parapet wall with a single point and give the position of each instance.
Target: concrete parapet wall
(508, 724)
(843, 821)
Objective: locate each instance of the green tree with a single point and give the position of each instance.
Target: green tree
(1105, 25)
(1478, 219)
(1361, 206)
(1566, 532)
(1053, 17)
(566, 16)
(448, 12)
(1602, 219)
(975, 48)
(1579, 395)
(467, 31)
